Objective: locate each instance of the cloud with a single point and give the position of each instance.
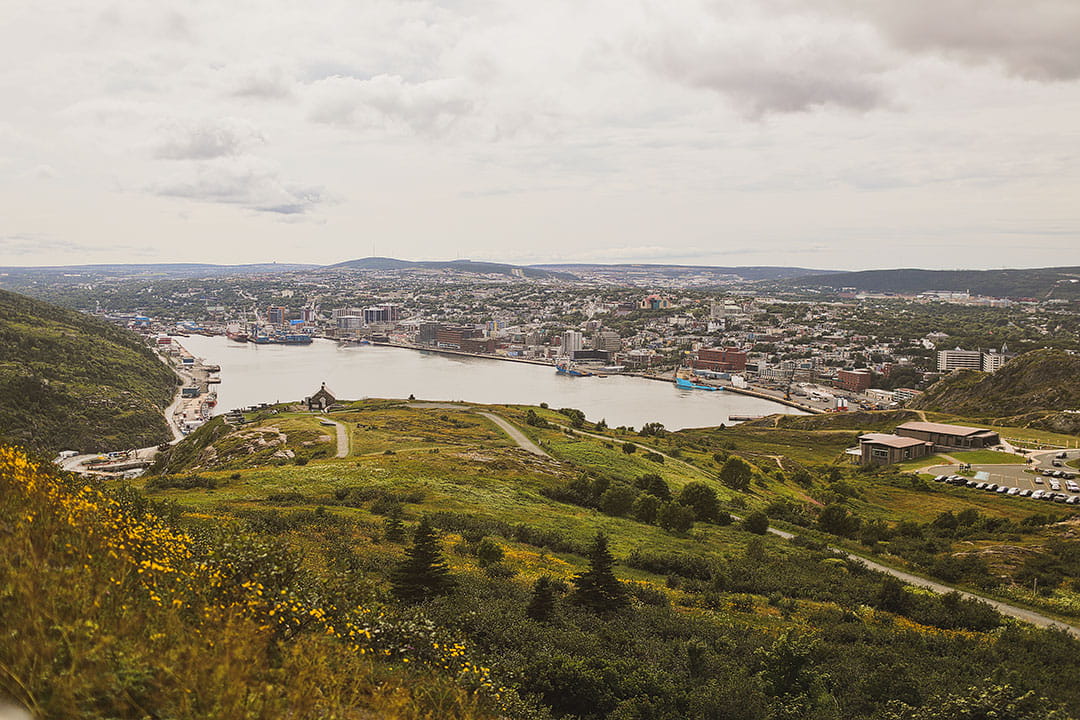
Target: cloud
(1034, 39)
(766, 63)
(264, 83)
(23, 244)
(208, 139)
(390, 101)
(246, 182)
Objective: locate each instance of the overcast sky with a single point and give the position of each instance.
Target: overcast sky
(817, 133)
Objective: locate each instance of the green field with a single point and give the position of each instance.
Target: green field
(988, 457)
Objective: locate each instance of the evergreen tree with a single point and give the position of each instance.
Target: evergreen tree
(597, 588)
(542, 605)
(423, 573)
(393, 529)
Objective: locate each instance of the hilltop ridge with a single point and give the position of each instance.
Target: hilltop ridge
(72, 381)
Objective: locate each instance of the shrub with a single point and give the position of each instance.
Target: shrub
(489, 552)
(736, 474)
(756, 522)
(675, 518)
(618, 500)
(702, 499)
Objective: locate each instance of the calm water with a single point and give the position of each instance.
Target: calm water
(252, 374)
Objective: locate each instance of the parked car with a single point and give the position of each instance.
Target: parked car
(1004, 488)
(1014, 491)
(1026, 492)
(1037, 495)
(1073, 500)
(1060, 498)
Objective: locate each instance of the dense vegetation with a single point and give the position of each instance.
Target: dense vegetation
(71, 381)
(1040, 385)
(563, 580)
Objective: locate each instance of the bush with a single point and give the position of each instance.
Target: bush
(618, 500)
(736, 474)
(756, 522)
(489, 552)
(675, 518)
(646, 507)
(702, 499)
(629, 448)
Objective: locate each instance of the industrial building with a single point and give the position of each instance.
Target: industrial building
(854, 380)
(720, 360)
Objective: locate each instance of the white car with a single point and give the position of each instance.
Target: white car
(1014, 491)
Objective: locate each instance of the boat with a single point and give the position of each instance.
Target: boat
(566, 367)
(262, 340)
(296, 339)
(688, 385)
(238, 336)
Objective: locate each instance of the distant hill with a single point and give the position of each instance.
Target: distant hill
(144, 270)
(71, 381)
(1034, 389)
(1040, 283)
(746, 274)
(464, 266)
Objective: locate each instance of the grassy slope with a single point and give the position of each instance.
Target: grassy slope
(68, 380)
(1030, 390)
(454, 465)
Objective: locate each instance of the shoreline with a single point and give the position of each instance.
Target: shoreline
(645, 376)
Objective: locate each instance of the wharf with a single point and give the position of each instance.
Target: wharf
(761, 394)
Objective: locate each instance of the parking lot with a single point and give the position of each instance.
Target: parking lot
(1029, 479)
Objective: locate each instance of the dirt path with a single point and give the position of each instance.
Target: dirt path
(342, 437)
(516, 435)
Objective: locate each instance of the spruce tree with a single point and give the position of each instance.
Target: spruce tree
(597, 588)
(423, 573)
(542, 605)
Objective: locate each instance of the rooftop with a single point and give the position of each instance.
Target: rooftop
(893, 441)
(941, 428)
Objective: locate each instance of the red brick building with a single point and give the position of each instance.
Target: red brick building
(854, 380)
(720, 360)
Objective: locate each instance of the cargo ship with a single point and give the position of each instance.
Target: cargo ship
(566, 367)
(237, 336)
(294, 339)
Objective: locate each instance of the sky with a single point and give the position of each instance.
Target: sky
(844, 134)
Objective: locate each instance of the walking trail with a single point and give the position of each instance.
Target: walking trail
(342, 437)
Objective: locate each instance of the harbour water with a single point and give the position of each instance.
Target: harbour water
(252, 374)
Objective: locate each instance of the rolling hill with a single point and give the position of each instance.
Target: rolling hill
(462, 266)
(1040, 283)
(1036, 389)
(71, 381)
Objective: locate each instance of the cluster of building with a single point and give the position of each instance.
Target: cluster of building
(914, 440)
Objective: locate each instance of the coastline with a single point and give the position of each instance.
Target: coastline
(761, 395)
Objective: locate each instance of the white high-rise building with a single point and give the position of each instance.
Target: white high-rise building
(572, 340)
(949, 360)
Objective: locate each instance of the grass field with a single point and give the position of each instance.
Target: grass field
(988, 457)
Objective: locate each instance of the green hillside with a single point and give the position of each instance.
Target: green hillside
(1059, 282)
(718, 620)
(71, 381)
(1035, 389)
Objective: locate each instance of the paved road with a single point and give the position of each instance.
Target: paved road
(342, 437)
(1004, 608)
(516, 435)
